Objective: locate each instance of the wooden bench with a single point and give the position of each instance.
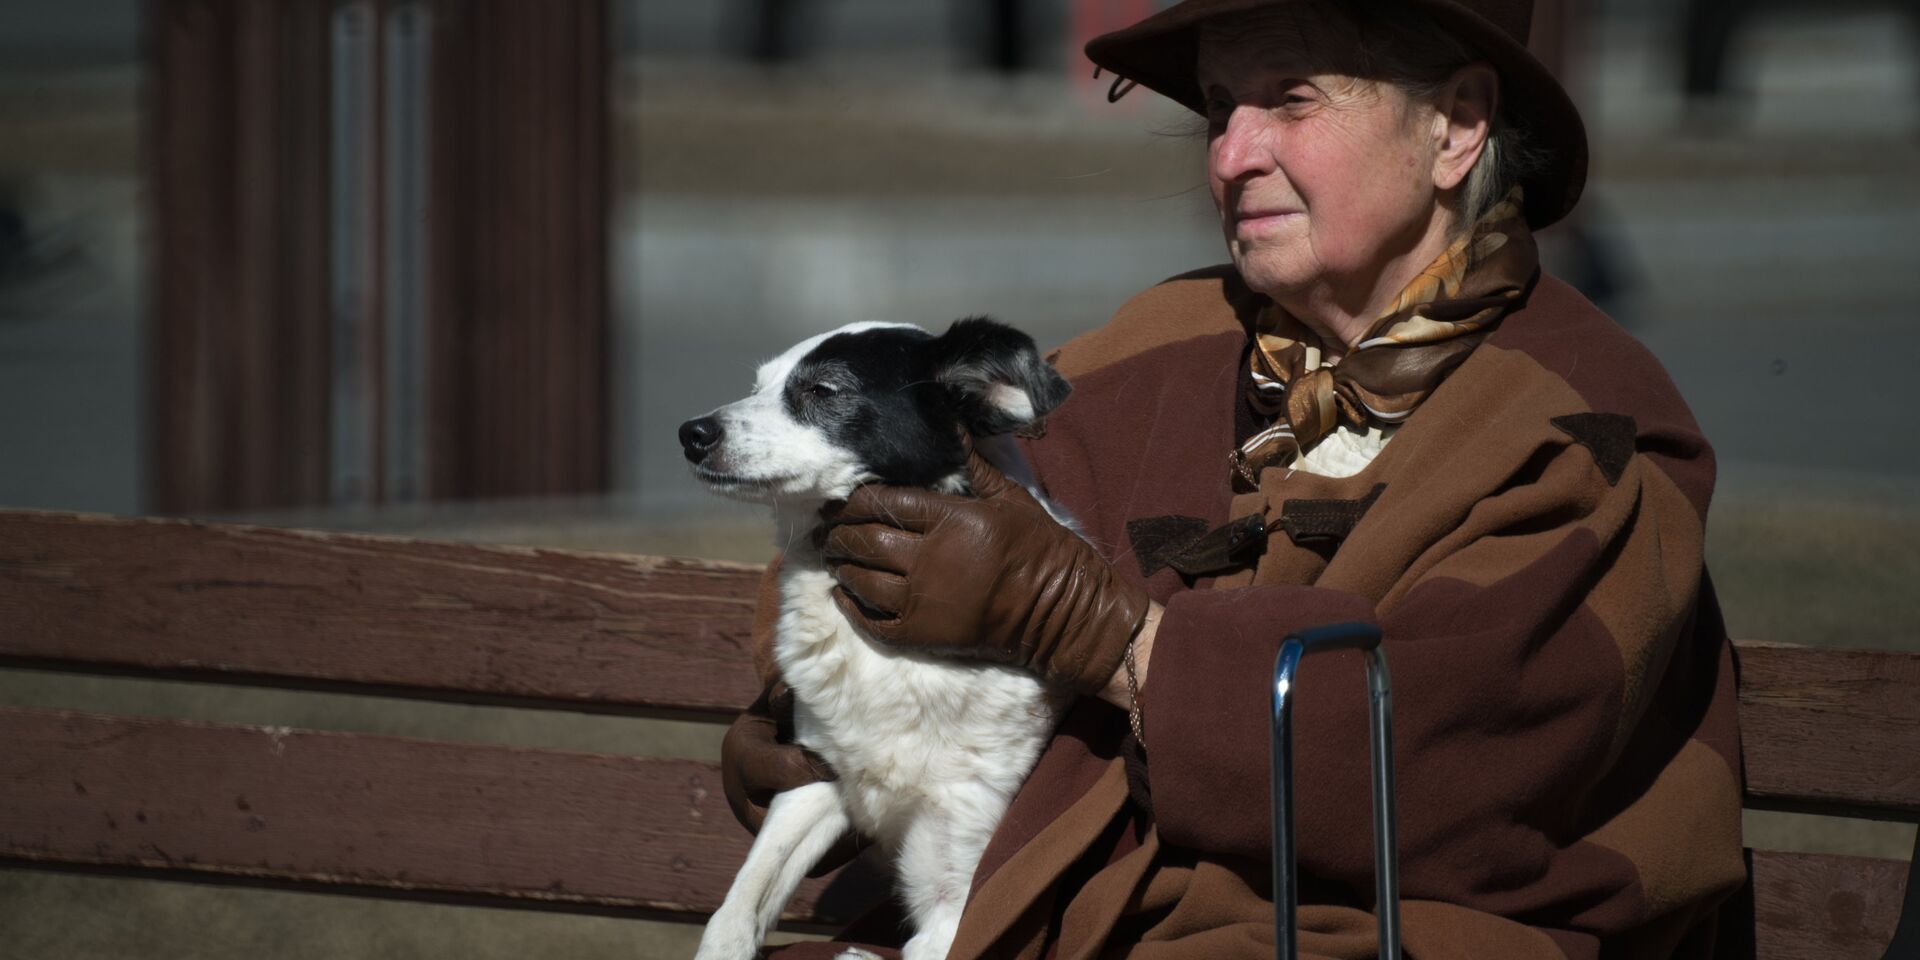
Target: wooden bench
(1825, 731)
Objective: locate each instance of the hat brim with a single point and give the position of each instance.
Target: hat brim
(1161, 51)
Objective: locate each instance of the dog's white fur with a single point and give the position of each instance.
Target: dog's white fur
(929, 751)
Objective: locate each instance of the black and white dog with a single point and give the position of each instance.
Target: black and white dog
(929, 751)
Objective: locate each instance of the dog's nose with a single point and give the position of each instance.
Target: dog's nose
(699, 437)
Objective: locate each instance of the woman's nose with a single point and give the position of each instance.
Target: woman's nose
(1245, 146)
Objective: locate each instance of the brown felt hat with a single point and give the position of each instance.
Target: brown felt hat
(1159, 52)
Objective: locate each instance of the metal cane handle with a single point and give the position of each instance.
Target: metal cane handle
(1340, 636)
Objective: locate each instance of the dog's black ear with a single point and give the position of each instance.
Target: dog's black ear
(996, 376)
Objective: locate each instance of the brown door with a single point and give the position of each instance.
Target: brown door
(380, 251)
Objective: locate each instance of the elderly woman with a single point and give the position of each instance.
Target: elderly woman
(1383, 411)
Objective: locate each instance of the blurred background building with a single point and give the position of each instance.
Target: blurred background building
(460, 267)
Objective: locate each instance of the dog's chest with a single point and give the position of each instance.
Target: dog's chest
(903, 731)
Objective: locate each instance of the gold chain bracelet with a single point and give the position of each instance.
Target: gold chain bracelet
(1133, 695)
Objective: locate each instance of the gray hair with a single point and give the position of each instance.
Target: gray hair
(1416, 54)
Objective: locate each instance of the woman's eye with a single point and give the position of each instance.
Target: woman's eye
(1218, 103)
(1298, 95)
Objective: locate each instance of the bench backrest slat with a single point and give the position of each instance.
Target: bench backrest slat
(1825, 907)
(1825, 731)
(388, 813)
(536, 827)
(218, 602)
(1831, 731)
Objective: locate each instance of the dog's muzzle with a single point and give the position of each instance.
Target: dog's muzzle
(698, 437)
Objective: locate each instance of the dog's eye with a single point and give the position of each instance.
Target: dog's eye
(820, 391)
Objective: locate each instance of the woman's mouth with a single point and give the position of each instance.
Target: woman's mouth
(1257, 222)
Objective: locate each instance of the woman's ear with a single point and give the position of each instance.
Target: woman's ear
(995, 375)
(1463, 117)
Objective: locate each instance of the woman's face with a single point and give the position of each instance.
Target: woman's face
(1322, 180)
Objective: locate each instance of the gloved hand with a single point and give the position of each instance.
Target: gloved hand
(989, 576)
(758, 759)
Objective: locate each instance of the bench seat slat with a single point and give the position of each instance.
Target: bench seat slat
(223, 602)
(381, 812)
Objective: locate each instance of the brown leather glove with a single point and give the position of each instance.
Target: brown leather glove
(758, 759)
(990, 576)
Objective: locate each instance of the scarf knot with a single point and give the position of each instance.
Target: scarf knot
(1434, 323)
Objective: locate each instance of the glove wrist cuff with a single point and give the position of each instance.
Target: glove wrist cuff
(1108, 637)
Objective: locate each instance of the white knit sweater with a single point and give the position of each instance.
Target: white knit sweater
(1345, 451)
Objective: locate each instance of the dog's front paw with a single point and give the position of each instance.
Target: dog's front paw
(725, 939)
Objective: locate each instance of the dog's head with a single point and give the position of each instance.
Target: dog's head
(871, 403)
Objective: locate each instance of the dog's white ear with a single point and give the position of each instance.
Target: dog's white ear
(996, 375)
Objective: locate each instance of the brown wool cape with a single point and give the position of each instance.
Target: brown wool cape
(1530, 543)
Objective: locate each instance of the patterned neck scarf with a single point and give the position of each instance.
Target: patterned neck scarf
(1430, 328)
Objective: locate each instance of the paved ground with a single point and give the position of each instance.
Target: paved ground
(1771, 266)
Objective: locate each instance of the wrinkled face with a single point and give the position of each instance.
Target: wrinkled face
(870, 403)
(1320, 178)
